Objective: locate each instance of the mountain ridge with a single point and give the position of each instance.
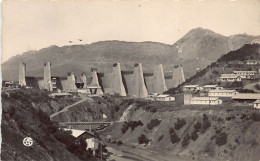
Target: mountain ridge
(199, 44)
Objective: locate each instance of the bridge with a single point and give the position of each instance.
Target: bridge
(83, 123)
(89, 124)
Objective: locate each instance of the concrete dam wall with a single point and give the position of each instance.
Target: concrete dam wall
(135, 83)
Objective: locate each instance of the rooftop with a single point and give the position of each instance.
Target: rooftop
(204, 98)
(229, 76)
(246, 96)
(223, 91)
(245, 71)
(209, 86)
(191, 86)
(163, 95)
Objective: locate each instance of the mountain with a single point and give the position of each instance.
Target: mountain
(197, 49)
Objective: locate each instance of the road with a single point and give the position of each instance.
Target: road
(69, 106)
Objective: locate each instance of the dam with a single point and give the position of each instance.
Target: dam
(135, 83)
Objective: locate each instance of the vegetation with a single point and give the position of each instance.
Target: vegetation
(186, 140)
(153, 123)
(205, 124)
(221, 138)
(179, 124)
(174, 137)
(131, 124)
(142, 139)
(21, 119)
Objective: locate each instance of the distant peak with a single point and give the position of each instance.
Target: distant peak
(200, 29)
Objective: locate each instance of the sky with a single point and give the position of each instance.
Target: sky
(35, 24)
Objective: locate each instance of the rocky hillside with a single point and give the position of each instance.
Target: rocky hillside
(22, 117)
(224, 65)
(225, 132)
(195, 50)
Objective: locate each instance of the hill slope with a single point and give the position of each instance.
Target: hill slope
(224, 65)
(22, 117)
(199, 44)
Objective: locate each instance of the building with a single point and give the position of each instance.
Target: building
(257, 104)
(221, 93)
(164, 97)
(187, 98)
(191, 88)
(206, 101)
(251, 62)
(245, 74)
(230, 78)
(211, 87)
(246, 97)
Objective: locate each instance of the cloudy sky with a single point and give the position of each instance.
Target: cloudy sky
(35, 24)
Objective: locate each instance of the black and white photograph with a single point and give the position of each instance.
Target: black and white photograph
(130, 80)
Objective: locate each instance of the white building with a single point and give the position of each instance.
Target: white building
(164, 97)
(211, 87)
(246, 97)
(230, 78)
(257, 104)
(192, 88)
(206, 101)
(251, 62)
(245, 74)
(221, 93)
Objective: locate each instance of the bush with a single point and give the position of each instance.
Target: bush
(221, 139)
(142, 139)
(179, 124)
(131, 124)
(194, 135)
(153, 123)
(206, 124)
(174, 137)
(197, 127)
(186, 140)
(119, 142)
(255, 116)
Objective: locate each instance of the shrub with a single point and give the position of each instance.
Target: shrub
(174, 137)
(186, 140)
(119, 142)
(142, 139)
(153, 123)
(255, 116)
(197, 127)
(221, 139)
(179, 124)
(206, 124)
(194, 135)
(131, 124)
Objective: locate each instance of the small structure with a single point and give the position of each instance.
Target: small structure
(221, 93)
(245, 74)
(191, 88)
(206, 101)
(230, 78)
(251, 62)
(211, 87)
(152, 95)
(246, 97)
(257, 104)
(187, 98)
(164, 97)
